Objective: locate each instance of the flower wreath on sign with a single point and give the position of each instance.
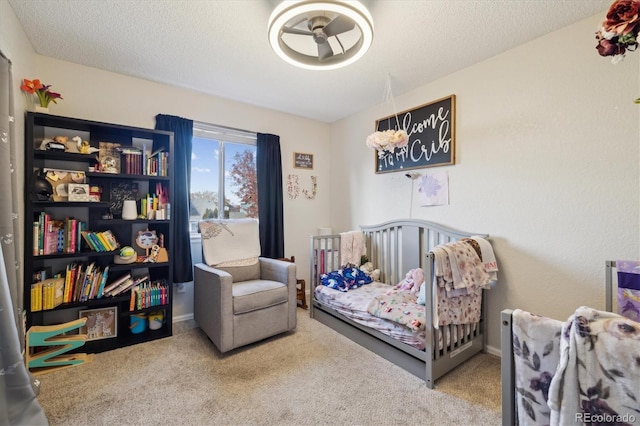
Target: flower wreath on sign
(618, 33)
(388, 140)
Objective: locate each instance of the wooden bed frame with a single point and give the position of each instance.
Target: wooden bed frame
(395, 247)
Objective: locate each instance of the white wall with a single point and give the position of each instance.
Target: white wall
(547, 158)
(547, 163)
(99, 95)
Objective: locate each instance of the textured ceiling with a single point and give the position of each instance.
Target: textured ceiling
(220, 47)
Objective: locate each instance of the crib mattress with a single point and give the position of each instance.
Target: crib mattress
(353, 305)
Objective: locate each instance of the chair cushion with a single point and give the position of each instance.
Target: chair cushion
(257, 294)
(242, 273)
(229, 240)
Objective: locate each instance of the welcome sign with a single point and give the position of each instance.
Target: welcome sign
(431, 130)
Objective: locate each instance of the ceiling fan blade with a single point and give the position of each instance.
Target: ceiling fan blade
(339, 25)
(291, 30)
(324, 51)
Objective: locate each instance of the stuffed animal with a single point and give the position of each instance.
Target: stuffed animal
(411, 282)
(367, 268)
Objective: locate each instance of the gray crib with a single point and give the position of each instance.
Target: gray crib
(395, 247)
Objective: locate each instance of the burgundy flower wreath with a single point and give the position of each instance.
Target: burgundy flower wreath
(618, 33)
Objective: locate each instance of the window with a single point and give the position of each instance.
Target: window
(223, 174)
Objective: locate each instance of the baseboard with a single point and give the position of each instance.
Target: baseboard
(493, 351)
(185, 317)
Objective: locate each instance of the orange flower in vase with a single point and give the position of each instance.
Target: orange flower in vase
(45, 96)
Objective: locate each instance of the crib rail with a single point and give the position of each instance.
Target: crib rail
(507, 366)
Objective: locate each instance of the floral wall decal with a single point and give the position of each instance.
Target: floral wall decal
(293, 187)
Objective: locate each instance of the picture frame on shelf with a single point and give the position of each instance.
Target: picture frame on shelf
(101, 323)
(78, 192)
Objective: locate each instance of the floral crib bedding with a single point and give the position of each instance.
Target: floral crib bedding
(582, 371)
(395, 310)
(353, 304)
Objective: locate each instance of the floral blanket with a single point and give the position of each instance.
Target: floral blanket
(536, 350)
(598, 377)
(399, 306)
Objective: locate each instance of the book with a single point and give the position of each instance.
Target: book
(36, 237)
(116, 283)
(36, 297)
(128, 284)
(103, 241)
(103, 281)
(96, 242)
(111, 240)
(67, 283)
(52, 292)
(89, 241)
(85, 280)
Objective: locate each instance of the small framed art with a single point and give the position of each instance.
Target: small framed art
(101, 323)
(78, 191)
(302, 160)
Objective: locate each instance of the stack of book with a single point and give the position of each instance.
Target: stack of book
(124, 284)
(100, 241)
(131, 161)
(47, 294)
(149, 294)
(52, 236)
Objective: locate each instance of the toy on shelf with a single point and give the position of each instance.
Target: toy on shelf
(153, 245)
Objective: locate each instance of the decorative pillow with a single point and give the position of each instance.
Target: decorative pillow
(230, 240)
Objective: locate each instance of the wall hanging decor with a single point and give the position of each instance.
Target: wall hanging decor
(619, 32)
(302, 160)
(434, 188)
(314, 189)
(293, 187)
(431, 137)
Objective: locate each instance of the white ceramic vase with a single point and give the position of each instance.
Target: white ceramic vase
(129, 210)
(39, 108)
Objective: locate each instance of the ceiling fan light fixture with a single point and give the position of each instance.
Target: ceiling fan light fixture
(307, 10)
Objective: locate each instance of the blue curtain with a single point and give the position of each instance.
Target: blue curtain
(182, 129)
(270, 210)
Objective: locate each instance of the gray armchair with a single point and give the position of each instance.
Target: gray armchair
(239, 305)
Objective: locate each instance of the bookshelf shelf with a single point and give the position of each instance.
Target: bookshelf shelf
(125, 176)
(42, 204)
(96, 266)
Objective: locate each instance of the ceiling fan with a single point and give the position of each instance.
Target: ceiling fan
(320, 34)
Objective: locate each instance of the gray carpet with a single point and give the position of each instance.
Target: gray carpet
(310, 376)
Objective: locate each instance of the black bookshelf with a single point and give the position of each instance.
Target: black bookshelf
(39, 126)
